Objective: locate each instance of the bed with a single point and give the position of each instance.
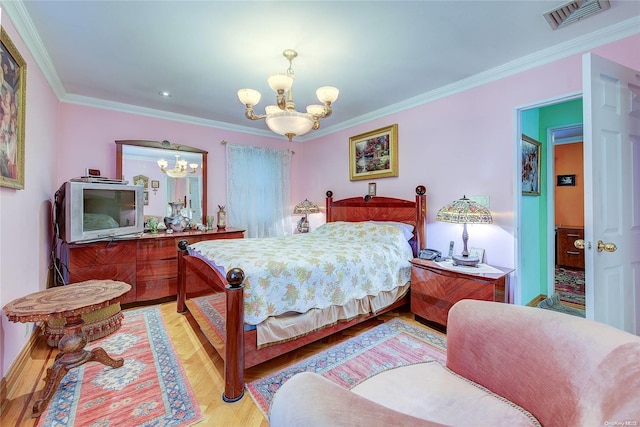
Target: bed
(244, 346)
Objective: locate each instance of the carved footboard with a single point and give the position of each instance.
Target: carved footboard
(191, 268)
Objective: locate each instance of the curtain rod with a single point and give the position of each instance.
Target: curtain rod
(223, 142)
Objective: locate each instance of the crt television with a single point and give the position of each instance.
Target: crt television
(95, 211)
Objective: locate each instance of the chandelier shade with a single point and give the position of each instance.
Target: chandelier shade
(283, 118)
(327, 94)
(249, 96)
(290, 123)
(280, 82)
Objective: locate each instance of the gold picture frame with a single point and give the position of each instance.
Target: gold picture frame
(13, 97)
(530, 166)
(374, 154)
(141, 180)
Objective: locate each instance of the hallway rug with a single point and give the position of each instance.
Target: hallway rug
(570, 285)
(389, 345)
(151, 389)
(553, 303)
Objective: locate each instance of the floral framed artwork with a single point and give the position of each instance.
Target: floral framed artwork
(141, 180)
(374, 154)
(13, 89)
(530, 166)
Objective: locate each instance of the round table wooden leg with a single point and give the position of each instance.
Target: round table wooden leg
(72, 354)
(55, 374)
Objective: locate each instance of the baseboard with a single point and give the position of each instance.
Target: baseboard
(11, 380)
(534, 302)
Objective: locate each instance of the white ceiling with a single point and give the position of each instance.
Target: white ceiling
(384, 56)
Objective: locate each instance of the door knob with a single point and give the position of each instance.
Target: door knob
(609, 247)
(579, 244)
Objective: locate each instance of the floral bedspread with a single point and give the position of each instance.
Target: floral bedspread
(332, 264)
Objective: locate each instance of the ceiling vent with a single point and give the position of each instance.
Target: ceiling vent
(574, 11)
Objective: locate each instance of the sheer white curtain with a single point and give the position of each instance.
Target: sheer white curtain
(258, 198)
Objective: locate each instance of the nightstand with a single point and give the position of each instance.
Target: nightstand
(435, 289)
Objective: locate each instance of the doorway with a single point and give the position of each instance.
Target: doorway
(611, 128)
(554, 123)
(566, 163)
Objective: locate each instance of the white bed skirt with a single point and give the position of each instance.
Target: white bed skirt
(290, 326)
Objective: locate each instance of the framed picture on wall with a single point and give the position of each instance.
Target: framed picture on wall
(13, 97)
(530, 166)
(566, 180)
(374, 154)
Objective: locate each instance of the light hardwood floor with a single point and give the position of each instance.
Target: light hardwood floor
(203, 366)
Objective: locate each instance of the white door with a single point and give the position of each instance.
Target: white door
(612, 192)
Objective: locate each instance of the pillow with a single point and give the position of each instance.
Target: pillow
(407, 229)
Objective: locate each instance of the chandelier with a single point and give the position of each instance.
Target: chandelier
(283, 118)
(179, 170)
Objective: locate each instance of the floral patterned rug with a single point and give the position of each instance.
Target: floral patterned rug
(392, 344)
(570, 285)
(150, 389)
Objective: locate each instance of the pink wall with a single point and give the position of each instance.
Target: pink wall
(87, 138)
(25, 214)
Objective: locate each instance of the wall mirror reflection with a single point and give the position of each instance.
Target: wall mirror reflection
(169, 173)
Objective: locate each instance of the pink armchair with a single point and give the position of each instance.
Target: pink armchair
(506, 365)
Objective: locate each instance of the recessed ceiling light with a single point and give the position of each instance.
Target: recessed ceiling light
(165, 93)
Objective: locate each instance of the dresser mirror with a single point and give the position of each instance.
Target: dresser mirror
(181, 176)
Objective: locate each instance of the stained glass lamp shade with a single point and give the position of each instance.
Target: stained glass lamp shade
(465, 211)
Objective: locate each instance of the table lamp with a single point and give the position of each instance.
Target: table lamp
(305, 208)
(465, 211)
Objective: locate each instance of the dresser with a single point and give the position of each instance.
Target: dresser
(435, 289)
(148, 263)
(567, 255)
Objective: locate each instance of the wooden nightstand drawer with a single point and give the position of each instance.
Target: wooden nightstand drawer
(435, 289)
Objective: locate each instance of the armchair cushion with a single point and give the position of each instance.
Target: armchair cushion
(432, 392)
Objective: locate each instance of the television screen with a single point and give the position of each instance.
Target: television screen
(107, 209)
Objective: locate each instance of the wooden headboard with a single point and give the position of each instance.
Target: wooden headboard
(377, 208)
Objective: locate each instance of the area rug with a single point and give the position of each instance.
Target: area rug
(150, 389)
(390, 345)
(553, 303)
(569, 285)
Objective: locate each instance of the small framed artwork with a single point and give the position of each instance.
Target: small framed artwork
(530, 166)
(374, 154)
(566, 180)
(372, 189)
(141, 180)
(155, 184)
(13, 98)
(146, 198)
(478, 252)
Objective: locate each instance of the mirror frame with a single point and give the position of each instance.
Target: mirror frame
(166, 145)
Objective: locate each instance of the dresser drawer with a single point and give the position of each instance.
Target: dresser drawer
(567, 255)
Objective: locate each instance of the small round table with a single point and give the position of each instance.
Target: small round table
(70, 303)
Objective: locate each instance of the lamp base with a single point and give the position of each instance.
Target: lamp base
(469, 261)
